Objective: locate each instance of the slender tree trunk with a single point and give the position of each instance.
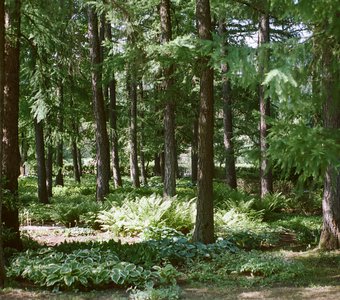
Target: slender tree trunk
(227, 118)
(266, 177)
(169, 111)
(204, 227)
(194, 151)
(75, 161)
(80, 165)
(143, 173)
(132, 91)
(49, 170)
(157, 167)
(60, 148)
(330, 234)
(117, 178)
(11, 155)
(41, 164)
(102, 141)
(23, 155)
(2, 81)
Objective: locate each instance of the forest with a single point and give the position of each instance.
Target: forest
(169, 149)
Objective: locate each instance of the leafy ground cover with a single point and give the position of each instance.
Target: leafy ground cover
(137, 246)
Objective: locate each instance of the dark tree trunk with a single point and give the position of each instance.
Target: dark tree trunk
(157, 167)
(117, 178)
(169, 111)
(330, 234)
(194, 144)
(266, 177)
(59, 180)
(75, 161)
(41, 164)
(80, 165)
(23, 155)
(227, 119)
(204, 227)
(132, 91)
(49, 171)
(102, 141)
(2, 82)
(11, 156)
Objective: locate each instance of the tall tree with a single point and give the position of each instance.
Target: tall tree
(59, 180)
(169, 111)
(204, 226)
(227, 116)
(132, 92)
(41, 163)
(117, 178)
(266, 177)
(2, 74)
(102, 141)
(11, 156)
(330, 234)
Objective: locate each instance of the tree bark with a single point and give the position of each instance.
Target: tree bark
(143, 172)
(169, 111)
(59, 180)
(102, 141)
(75, 161)
(266, 177)
(204, 227)
(157, 165)
(11, 155)
(49, 170)
(230, 168)
(330, 234)
(194, 146)
(41, 164)
(132, 91)
(80, 165)
(117, 178)
(2, 75)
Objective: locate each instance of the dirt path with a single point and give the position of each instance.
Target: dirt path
(314, 293)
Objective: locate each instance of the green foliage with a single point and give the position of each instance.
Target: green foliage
(151, 293)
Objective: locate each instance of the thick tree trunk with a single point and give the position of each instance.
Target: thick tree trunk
(102, 141)
(117, 178)
(59, 180)
(266, 177)
(204, 227)
(132, 91)
(230, 168)
(11, 156)
(169, 111)
(2, 82)
(41, 164)
(330, 235)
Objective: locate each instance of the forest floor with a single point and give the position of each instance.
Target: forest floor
(327, 287)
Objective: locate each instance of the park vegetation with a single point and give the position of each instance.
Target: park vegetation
(202, 137)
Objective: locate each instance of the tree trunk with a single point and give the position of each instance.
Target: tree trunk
(117, 178)
(266, 177)
(41, 164)
(132, 91)
(204, 227)
(80, 165)
(75, 161)
(102, 141)
(2, 75)
(194, 150)
(169, 111)
(49, 171)
(11, 156)
(143, 173)
(23, 155)
(157, 167)
(227, 119)
(330, 234)
(59, 180)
